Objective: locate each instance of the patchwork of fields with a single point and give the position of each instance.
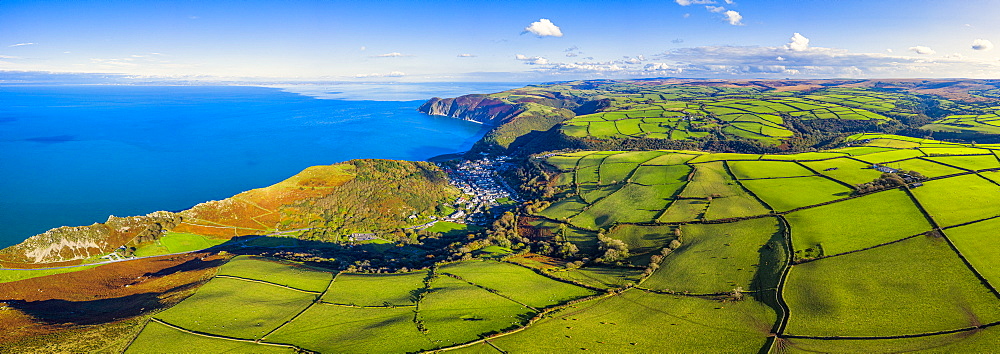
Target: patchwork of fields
(681, 113)
(724, 252)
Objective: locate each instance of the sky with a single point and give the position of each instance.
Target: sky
(522, 41)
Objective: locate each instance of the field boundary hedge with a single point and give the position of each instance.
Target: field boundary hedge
(901, 336)
(267, 283)
(215, 336)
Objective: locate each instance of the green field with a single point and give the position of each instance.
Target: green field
(914, 286)
(518, 283)
(973, 163)
(455, 312)
(337, 329)
(643, 239)
(665, 323)
(785, 194)
(281, 273)
(682, 210)
(177, 242)
(717, 258)
(849, 171)
(632, 203)
(374, 289)
(656, 174)
(767, 169)
(927, 168)
(601, 277)
(855, 224)
(889, 156)
(983, 341)
(159, 338)
(237, 308)
(980, 244)
(957, 200)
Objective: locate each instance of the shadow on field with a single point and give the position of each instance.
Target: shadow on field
(193, 264)
(58, 311)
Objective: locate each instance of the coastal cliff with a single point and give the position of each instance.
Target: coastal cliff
(65, 244)
(476, 108)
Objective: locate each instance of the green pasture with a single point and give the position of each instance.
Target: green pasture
(889, 156)
(632, 203)
(278, 272)
(914, 286)
(929, 169)
(980, 244)
(601, 277)
(177, 242)
(448, 228)
(710, 180)
(723, 156)
(455, 312)
(784, 194)
(649, 175)
(717, 258)
(642, 322)
(804, 156)
(767, 169)
(516, 282)
(328, 328)
(855, 224)
(643, 239)
(961, 199)
(564, 208)
(562, 162)
(375, 289)
(973, 163)
(957, 150)
(237, 308)
(682, 210)
(634, 157)
(616, 172)
(981, 341)
(845, 170)
(159, 338)
(672, 158)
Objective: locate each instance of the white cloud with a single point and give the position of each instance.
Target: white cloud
(390, 55)
(798, 43)
(8, 57)
(377, 75)
(694, 2)
(734, 18)
(731, 2)
(772, 62)
(715, 9)
(572, 55)
(687, 15)
(20, 44)
(922, 50)
(531, 60)
(543, 28)
(466, 55)
(888, 50)
(363, 48)
(982, 44)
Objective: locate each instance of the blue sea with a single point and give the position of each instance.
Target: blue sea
(73, 155)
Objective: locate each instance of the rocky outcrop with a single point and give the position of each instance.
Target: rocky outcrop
(476, 108)
(75, 243)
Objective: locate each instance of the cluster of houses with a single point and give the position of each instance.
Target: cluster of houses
(485, 190)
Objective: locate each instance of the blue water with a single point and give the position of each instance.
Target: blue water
(72, 155)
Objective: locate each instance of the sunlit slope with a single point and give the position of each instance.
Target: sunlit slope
(322, 203)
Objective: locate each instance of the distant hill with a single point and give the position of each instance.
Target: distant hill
(722, 115)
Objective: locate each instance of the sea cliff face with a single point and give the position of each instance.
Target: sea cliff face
(66, 243)
(476, 108)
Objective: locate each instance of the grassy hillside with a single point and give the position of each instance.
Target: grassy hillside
(761, 253)
(321, 203)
